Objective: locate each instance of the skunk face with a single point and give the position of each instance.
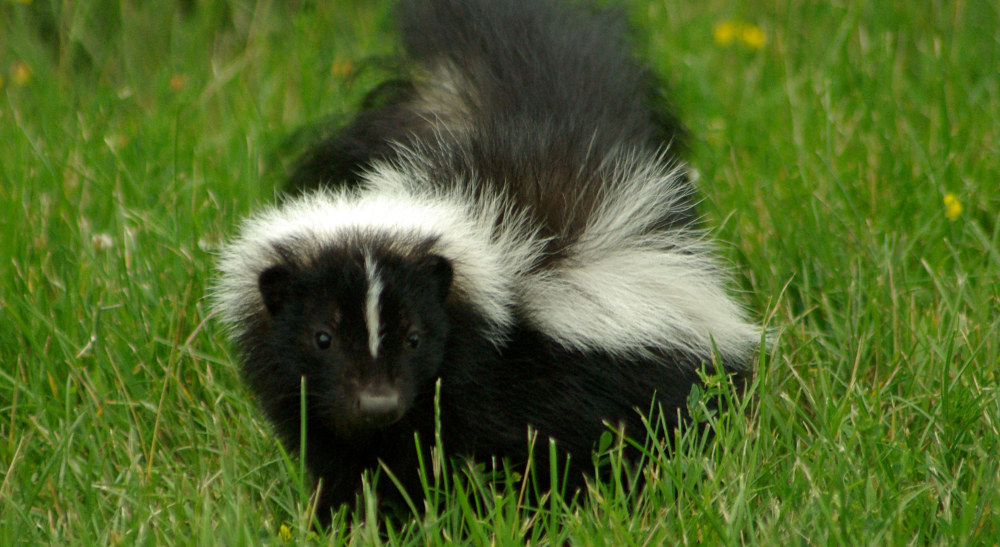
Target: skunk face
(366, 329)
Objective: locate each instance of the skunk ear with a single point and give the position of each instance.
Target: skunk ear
(275, 287)
(438, 270)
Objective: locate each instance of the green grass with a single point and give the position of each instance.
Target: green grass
(145, 131)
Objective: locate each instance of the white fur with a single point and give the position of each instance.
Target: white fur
(486, 261)
(372, 309)
(632, 300)
(629, 288)
(625, 287)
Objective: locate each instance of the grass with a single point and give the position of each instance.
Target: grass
(136, 134)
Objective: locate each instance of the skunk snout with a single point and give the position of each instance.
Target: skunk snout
(379, 405)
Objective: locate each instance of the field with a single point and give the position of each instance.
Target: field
(849, 162)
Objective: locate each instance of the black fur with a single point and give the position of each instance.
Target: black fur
(548, 94)
(488, 396)
(551, 79)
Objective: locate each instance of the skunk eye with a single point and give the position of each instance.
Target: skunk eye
(413, 339)
(323, 340)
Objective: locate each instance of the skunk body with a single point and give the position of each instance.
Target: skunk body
(503, 220)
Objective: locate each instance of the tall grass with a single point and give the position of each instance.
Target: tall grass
(136, 134)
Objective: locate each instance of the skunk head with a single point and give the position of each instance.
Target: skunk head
(356, 293)
(365, 328)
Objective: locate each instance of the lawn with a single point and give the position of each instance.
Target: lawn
(849, 162)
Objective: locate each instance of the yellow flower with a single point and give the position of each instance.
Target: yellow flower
(20, 72)
(285, 533)
(725, 32)
(752, 36)
(952, 207)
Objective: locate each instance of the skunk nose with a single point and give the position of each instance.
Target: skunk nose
(379, 404)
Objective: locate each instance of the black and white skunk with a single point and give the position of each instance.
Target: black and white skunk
(504, 219)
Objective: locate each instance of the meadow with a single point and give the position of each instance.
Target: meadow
(849, 164)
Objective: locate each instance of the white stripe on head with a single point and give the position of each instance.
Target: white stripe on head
(372, 308)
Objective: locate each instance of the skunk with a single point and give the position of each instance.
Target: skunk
(503, 220)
